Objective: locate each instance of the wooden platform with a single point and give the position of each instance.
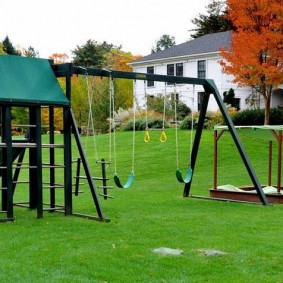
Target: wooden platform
(246, 195)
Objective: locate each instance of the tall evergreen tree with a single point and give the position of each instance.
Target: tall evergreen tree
(91, 54)
(216, 19)
(9, 48)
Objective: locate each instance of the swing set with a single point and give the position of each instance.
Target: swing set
(35, 87)
(209, 89)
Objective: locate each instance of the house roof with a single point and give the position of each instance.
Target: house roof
(208, 43)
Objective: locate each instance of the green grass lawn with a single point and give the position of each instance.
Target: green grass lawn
(149, 215)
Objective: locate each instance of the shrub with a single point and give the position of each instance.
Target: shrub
(276, 116)
(186, 124)
(182, 110)
(140, 123)
(252, 117)
(211, 119)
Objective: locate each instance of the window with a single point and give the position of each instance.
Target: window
(170, 70)
(173, 96)
(175, 70)
(202, 69)
(179, 69)
(236, 103)
(150, 70)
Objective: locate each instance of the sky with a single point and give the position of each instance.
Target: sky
(60, 26)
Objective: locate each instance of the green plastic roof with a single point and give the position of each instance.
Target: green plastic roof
(29, 81)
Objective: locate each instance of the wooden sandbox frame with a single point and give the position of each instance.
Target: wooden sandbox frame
(271, 134)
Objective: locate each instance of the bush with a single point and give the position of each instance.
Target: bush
(251, 117)
(140, 124)
(276, 116)
(182, 110)
(211, 119)
(186, 124)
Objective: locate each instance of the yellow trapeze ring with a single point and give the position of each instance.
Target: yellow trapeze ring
(146, 137)
(163, 137)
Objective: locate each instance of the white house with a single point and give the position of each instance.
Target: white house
(198, 58)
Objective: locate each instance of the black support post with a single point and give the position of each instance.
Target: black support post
(51, 157)
(8, 162)
(67, 161)
(196, 143)
(35, 161)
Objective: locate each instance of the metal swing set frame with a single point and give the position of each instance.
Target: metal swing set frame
(209, 89)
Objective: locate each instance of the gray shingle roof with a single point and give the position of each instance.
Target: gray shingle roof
(204, 44)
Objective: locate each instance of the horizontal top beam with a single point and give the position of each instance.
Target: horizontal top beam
(68, 69)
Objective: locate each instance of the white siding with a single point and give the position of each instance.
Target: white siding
(188, 93)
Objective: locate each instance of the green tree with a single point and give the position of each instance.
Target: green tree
(9, 48)
(1, 49)
(229, 97)
(117, 59)
(91, 54)
(80, 99)
(165, 41)
(216, 19)
(30, 52)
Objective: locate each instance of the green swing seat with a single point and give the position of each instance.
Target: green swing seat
(128, 183)
(188, 176)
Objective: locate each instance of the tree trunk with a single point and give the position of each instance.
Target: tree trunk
(267, 105)
(267, 112)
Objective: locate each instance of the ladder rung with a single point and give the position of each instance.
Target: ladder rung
(94, 178)
(20, 182)
(20, 125)
(20, 144)
(103, 162)
(53, 208)
(46, 145)
(79, 192)
(3, 189)
(105, 187)
(24, 167)
(100, 178)
(55, 186)
(102, 195)
(52, 166)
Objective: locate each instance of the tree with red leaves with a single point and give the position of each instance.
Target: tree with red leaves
(255, 58)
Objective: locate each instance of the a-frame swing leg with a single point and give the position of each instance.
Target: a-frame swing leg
(211, 88)
(86, 167)
(197, 142)
(240, 147)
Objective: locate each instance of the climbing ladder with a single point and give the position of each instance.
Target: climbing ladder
(104, 179)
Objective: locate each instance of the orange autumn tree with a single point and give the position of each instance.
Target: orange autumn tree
(255, 58)
(119, 60)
